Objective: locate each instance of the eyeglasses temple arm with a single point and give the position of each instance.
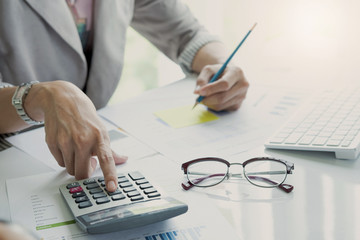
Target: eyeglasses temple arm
(186, 186)
(285, 187)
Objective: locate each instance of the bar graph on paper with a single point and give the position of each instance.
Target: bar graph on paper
(183, 234)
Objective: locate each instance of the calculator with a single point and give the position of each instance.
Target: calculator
(135, 203)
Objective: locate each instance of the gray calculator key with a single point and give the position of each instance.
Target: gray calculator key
(137, 198)
(102, 200)
(136, 175)
(91, 203)
(118, 197)
(123, 180)
(153, 195)
(81, 199)
(92, 185)
(133, 194)
(129, 189)
(146, 185)
(95, 190)
(121, 176)
(125, 184)
(72, 185)
(99, 195)
(85, 204)
(78, 194)
(101, 179)
(117, 191)
(88, 181)
(141, 181)
(150, 190)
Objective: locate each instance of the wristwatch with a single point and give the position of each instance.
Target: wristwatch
(18, 102)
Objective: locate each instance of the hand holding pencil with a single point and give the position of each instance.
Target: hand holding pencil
(227, 86)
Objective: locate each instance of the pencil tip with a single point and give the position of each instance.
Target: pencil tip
(253, 26)
(196, 103)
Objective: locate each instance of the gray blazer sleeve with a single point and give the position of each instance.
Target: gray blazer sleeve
(3, 143)
(4, 84)
(172, 28)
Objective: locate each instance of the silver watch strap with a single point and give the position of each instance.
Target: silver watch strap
(18, 102)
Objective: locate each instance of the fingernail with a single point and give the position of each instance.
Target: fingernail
(196, 88)
(202, 93)
(111, 185)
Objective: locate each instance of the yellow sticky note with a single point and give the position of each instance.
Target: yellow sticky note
(185, 116)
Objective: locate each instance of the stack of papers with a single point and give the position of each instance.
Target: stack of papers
(38, 205)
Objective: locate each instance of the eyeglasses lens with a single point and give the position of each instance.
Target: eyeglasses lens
(265, 173)
(207, 173)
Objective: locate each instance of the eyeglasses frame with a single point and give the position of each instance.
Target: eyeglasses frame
(285, 187)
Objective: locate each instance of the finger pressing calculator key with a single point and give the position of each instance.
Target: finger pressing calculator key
(135, 203)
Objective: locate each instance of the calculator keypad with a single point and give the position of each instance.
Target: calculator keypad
(133, 186)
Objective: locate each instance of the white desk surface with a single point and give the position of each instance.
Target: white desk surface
(323, 205)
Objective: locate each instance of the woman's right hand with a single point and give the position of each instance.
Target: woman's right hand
(75, 133)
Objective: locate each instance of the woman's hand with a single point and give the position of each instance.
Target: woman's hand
(227, 93)
(74, 132)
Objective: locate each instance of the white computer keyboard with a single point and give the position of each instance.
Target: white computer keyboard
(329, 121)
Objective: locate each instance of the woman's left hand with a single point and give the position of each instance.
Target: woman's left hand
(226, 93)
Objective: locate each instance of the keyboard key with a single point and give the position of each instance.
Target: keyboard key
(333, 143)
(277, 140)
(320, 141)
(306, 140)
(345, 143)
(293, 138)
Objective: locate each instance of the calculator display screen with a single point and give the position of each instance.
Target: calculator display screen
(124, 211)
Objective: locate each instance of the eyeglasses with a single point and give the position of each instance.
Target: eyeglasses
(263, 172)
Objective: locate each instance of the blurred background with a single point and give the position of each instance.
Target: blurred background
(310, 43)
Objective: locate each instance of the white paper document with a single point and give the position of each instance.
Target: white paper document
(231, 134)
(35, 202)
(15, 163)
(121, 142)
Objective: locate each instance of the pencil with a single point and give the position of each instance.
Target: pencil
(221, 70)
